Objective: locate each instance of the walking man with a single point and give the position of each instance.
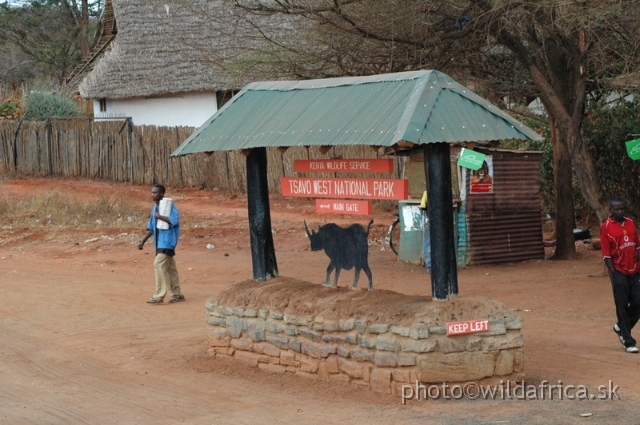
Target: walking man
(620, 245)
(165, 241)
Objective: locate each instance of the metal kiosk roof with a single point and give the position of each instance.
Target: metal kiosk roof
(391, 110)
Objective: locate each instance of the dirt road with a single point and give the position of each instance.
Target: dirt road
(79, 345)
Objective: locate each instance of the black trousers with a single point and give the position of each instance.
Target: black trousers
(626, 295)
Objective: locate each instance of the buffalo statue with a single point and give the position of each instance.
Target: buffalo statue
(345, 247)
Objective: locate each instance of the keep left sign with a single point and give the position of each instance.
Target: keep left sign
(467, 327)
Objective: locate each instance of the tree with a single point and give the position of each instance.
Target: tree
(53, 33)
(606, 122)
(557, 50)
(568, 48)
(79, 15)
(15, 65)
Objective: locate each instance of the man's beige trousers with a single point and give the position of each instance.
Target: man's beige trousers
(166, 277)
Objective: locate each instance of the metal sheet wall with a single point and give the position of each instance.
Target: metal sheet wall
(505, 225)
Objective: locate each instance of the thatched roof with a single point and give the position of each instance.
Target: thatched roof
(174, 46)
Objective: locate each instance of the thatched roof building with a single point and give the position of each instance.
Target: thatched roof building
(172, 46)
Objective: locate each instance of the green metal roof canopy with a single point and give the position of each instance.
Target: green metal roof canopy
(381, 110)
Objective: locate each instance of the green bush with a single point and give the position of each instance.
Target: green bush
(40, 106)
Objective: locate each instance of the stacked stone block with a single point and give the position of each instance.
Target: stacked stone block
(379, 356)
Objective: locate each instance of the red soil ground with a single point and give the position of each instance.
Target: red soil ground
(80, 345)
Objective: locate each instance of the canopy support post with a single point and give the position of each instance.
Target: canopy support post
(444, 269)
(263, 254)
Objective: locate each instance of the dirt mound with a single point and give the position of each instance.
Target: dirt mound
(301, 298)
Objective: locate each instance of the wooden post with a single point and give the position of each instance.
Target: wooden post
(263, 254)
(49, 131)
(129, 123)
(15, 145)
(444, 271)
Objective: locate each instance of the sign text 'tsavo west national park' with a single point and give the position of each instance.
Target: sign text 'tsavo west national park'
(395, 189)
(362, 189)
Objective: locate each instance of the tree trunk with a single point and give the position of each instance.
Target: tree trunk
(84, 29)
(79, 18)
(565, 214)
(562, 90)
(587, 174)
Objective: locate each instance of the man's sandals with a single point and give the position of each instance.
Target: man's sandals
(176, 299)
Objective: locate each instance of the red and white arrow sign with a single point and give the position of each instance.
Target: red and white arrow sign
(343, 207)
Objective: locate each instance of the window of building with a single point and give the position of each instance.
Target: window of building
(225, 96)
(103, 105)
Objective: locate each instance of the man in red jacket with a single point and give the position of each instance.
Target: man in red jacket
(619, 243)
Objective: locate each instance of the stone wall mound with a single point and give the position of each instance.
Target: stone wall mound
(378, 339)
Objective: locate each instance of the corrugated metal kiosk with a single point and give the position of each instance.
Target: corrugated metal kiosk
(505, 225)
(500, 222)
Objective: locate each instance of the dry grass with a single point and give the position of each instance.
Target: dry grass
(386, 205)
(57, 210)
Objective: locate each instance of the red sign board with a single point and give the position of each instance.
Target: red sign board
(468, 327)
(343, 166)
(395, 189)
(343, 207)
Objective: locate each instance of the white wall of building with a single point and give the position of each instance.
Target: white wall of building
(613, 99)
(188, 109)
